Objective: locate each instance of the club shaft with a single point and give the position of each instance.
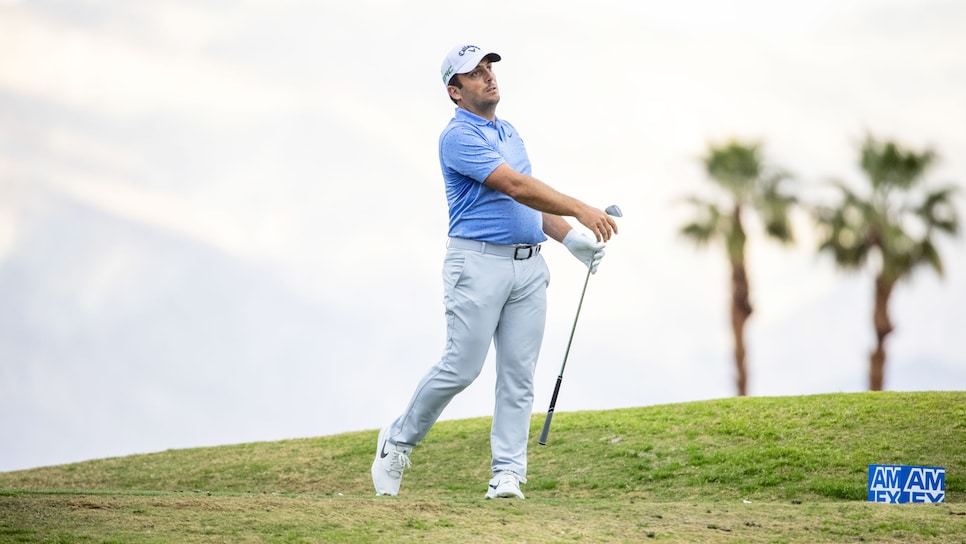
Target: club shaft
(553, 402)
(556, 388)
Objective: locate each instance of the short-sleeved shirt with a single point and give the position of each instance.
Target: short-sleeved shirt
(470, 149)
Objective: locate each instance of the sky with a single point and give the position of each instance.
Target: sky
(224, 222)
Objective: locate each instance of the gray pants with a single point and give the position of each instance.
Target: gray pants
(487, 298)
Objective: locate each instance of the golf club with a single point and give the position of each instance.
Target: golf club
(614, 211)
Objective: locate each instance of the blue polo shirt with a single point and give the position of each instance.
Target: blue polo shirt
(470, 149)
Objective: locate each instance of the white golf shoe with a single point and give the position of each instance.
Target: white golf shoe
(505, 485)
(389, 464)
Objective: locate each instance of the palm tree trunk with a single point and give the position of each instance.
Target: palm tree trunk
(740, 310)
(883, 326)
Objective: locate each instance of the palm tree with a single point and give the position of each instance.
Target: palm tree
(897, 221)
(746, 185)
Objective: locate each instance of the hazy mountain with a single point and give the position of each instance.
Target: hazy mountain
(114, 332)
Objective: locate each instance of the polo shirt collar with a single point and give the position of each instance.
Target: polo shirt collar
(476, 119)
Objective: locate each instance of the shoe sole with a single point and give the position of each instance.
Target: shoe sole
(505, 495)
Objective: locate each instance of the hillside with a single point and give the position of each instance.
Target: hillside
(810, 451)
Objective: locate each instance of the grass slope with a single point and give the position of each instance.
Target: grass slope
(688, 472)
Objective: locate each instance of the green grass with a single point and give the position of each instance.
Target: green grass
(790, 469)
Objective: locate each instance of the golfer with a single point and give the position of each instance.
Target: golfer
(495, 280)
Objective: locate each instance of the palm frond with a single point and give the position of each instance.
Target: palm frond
(708, 224)
(699, 233)
(735, 166)
(774, 205)
(931, 256)
(890, 166)
(938, 212)
(846, 230)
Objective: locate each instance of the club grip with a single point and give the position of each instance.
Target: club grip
(553, 403)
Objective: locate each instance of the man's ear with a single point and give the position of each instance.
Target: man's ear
(454, 92)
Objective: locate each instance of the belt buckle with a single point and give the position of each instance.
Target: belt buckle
(531, 251)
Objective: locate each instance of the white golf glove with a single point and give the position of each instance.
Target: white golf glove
(586, 249)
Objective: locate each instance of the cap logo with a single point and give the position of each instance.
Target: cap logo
(470, 48)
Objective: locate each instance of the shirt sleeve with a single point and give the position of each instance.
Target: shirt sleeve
(466, 152)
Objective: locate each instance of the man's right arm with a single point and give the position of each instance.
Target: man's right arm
(536, 194)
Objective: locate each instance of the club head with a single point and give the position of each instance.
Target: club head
(614, 211)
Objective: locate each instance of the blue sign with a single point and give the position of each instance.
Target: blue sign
(896, 484)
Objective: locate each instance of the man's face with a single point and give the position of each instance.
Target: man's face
(480, 91)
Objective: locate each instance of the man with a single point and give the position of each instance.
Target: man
(495, 279)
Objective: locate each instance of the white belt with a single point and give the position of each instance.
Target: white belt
(519, 252)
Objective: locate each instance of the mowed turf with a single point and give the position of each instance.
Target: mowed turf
(758, 469)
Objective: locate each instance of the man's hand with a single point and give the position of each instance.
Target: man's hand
(587, 250)
(602, 225)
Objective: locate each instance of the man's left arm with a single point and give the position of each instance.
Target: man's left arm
(555, 226)
(586, 249)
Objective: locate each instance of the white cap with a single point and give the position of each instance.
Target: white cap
(464, 58)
